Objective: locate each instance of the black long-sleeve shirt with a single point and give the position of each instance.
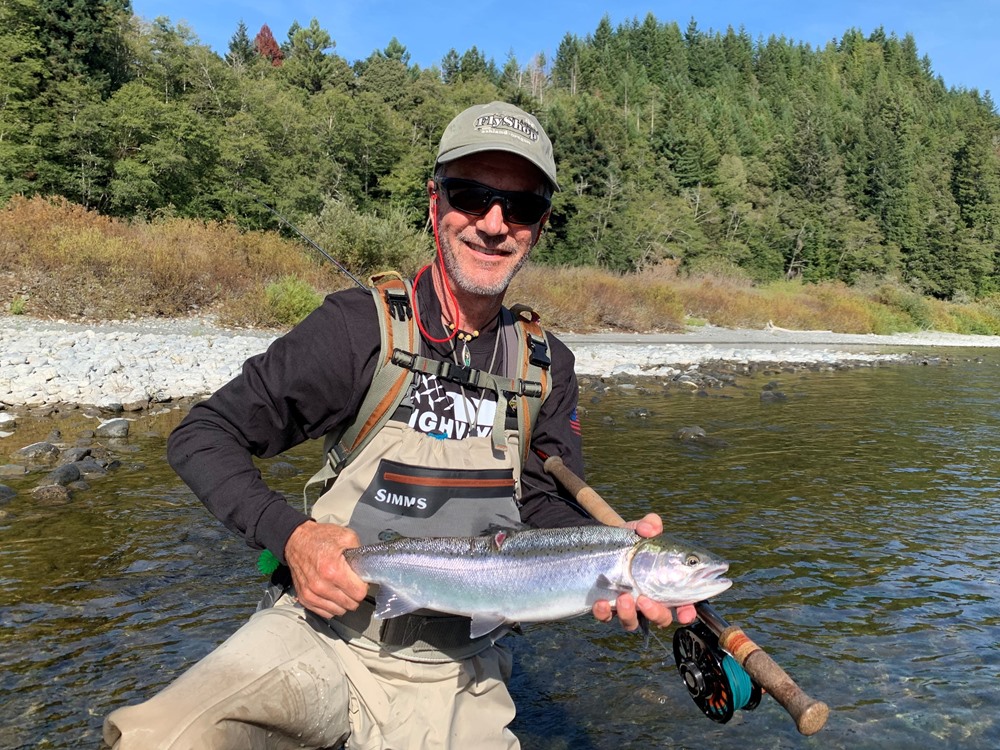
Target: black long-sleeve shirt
(311, 381)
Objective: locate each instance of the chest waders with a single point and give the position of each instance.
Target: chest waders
(380, 475)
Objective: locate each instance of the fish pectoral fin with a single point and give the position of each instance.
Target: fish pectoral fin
(618, 587)
(391, 603)
(483, 624)
(644, 628)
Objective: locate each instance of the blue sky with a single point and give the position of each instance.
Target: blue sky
(959, 36)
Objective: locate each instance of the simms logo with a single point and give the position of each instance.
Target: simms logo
(506, 122)
(404, 501)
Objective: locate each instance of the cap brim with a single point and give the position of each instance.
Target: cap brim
(478, 148)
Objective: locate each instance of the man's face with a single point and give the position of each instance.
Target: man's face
(482, 253)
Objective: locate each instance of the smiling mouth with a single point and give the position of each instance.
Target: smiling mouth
(476, 245)
(491, 252)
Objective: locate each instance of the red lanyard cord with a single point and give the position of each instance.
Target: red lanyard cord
(444, 279)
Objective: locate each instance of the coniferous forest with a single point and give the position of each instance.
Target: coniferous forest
(675, 144)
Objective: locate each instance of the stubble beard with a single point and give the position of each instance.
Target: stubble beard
(469, 285)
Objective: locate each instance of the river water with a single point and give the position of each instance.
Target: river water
(858, 514)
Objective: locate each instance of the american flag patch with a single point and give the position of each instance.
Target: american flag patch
(574, 423)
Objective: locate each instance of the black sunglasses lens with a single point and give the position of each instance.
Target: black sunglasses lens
(470, 199)
(475, 199)
(526, 208)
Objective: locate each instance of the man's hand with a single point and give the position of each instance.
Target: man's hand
(628, 608)
(324, 582)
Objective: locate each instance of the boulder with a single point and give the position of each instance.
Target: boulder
(39, 453)
(63, 475)
(113, 428)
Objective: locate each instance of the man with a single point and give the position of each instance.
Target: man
(316, 669)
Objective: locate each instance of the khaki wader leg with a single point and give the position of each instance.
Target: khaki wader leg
(451, 705)
(282, 681)
(271, 685)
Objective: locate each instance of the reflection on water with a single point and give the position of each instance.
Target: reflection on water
(858, 517)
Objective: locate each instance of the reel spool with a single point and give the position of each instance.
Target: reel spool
(717, 683)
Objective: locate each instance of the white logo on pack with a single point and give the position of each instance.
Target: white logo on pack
(391, 498)
(449, 414)
(498, 123)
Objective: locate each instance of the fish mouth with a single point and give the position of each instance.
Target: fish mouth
(712, 572)
(715, 587)
(712, 582)
(698, 592)
(703, 584)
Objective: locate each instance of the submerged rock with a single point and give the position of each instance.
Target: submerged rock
(113, 428)
(39, 453)
(690, 433)
(51, 494)
(65, 474)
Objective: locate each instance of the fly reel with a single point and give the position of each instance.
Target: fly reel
(717, 683)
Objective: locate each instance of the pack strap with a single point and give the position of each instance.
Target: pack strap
(397, 327)
(534, 363)
(467, 376)
(389, 384)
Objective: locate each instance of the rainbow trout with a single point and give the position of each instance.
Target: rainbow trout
(533, 575)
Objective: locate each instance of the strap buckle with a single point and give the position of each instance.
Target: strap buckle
(539, 354)
(529, 388)
(399, 304)
(457, 374)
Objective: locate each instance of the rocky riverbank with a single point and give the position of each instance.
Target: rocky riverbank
(131, 365)
(53, 367)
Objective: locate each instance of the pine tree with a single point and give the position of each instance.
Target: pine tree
(241, 49)
(451, 67)
(473, 64)
(22, 79)
(397, 51)
(86, 38)
(566, 68)
(267, 47)
(306, 63)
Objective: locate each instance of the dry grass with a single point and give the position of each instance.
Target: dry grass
(586, 299)
(60, 260)
(787, 304)
(64, 261)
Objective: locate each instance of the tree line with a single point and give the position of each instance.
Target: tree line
(706, 149)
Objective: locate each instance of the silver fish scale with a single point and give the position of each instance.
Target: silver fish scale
(526, 576)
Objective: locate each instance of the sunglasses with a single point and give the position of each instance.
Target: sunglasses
(475, 199)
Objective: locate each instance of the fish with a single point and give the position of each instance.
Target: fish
(533, 575)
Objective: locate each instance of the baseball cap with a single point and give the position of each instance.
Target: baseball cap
(498, 126)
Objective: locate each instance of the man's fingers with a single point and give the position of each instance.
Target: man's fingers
(627, 614)
(687, 614)
(328, 603)
(324, 582)
(627, 609)
(658, 614)
(603, 612)
(647, 526)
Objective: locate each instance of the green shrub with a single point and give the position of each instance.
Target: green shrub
(369, 243)
(289, 300)
(909, 302)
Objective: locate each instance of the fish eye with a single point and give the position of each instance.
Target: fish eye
(692, 559)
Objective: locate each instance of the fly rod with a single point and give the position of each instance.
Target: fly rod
(313, 245)
(808, 713)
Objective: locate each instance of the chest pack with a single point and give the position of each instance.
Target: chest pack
(521, 390)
